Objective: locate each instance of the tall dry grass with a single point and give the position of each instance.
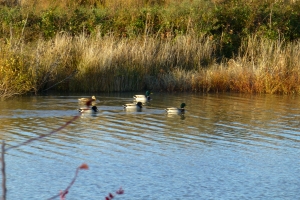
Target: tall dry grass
(115, 64)
(106, 3)
(184, 63)
(273, 67)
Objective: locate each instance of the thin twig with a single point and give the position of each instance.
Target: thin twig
(88, 104)
(45, 135)
(4, 190)
(62, 194)
(68, 77)
(83, 166)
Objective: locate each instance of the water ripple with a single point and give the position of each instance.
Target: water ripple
(223, 147)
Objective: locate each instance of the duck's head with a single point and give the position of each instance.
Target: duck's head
(147, 93)
(139, 104)
(182, 105)
(95, 109)
(93, 97)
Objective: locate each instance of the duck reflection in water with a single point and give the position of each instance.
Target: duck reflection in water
(181, 116)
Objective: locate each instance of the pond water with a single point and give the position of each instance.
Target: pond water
(226, 146)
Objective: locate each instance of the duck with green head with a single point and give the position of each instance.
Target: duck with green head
(133, 106)
(142, 98)
(174, 110)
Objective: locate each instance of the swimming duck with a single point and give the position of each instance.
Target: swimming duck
(142, 98)
(93, 109)
(180, 110)
(84, 100)
(138, 106)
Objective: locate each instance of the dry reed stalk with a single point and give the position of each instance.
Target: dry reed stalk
(110, 63)
(121, 4)
(117, 4)
(270, 66)
(176, 80)
(119, 59)
(220, 81)
(53, 61)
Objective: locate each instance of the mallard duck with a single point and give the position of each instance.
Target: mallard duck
(180, 110)
(93, 109)
(142, 98)
(84, 100)
(138, 106)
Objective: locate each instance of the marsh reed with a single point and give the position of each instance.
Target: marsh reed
(162, 45)
(184, 63)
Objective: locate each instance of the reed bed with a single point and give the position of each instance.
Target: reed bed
(130, 65)
(184, 63)
(162, 45)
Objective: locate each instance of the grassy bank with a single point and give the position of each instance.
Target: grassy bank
(100, 46)
(187, 63)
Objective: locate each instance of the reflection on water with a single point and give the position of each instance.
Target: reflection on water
(226, 146)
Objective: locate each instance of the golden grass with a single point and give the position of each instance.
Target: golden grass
(262, 67)
(40, 5)
(126, 64)
(184, 63)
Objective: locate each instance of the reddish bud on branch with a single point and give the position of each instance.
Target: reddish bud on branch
(84, 166)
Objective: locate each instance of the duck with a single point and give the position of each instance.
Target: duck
(93, 109)
(142, 98)
(84, 100)
(138, 106)
(174, 110)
